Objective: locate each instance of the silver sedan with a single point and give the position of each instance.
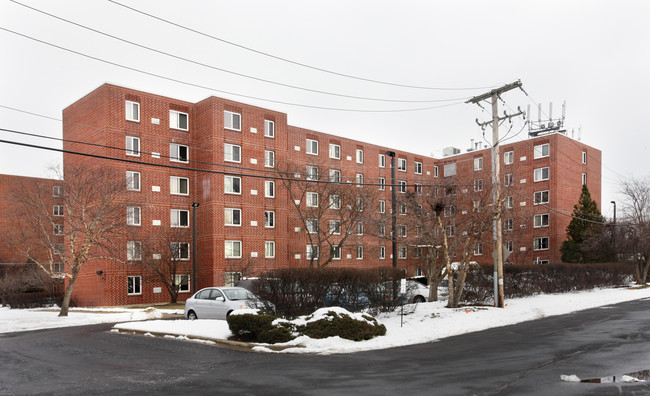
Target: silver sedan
(217, 302)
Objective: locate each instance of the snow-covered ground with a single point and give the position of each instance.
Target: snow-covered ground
(422, 323)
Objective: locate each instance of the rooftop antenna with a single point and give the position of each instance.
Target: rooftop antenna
(580, 132)
(563, 109)
(539, 113)
(550, 111)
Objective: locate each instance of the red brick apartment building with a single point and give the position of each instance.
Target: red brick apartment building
(226, 156)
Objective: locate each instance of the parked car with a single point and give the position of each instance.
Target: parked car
(416, 292)
(218, 302)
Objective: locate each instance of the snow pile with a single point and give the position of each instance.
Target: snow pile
(570, 378)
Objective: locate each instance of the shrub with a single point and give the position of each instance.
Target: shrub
(344, 326)
(258, 328)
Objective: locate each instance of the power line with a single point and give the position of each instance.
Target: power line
(219, 90)
(291, 61)
(230, 71)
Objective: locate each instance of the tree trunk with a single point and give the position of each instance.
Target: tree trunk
(68, 293)
(433, 291)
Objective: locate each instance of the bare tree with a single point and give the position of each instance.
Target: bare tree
(331, 210)
(91, 217)
(636, 241)
(166, 255)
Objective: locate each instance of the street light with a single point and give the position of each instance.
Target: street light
(194, 206)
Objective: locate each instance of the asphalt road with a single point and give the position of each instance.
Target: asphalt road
(527, 358)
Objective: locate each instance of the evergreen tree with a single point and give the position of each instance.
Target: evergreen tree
(583, 233)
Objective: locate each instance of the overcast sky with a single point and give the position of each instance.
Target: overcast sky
(595, 55)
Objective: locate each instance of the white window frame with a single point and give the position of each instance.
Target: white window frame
(232, 121)
(176, 247)
(175, 153)
(311, 199)
(382, 252)
(132, 111)
(132, 181)
(176, 184)
(335, 151)
(269, 219)
(133, 146)
(401, 164)
(269, 249)
(478, 250)
(478, 163)
(508, 157)
(450, 230)
(269, 189)
(508, 179)
(232, 152)
(584, 178)
(382, 160)
(311, 173)
(382, 206)
(541, 197)
(478, 185)
(541, 151)
(57, 191)
(335, 175)
(402, 252)
(417, 167)
(539, 174)
(510, 202)
(134, 285)
(359, 252)
(509, 224)
(435, 171)
(401, 230)
(175, 120)
(509, 246)
(57, 210)
(449, 169)
(312, 147)
(57, 229)
(382, 183)
(311, 226)
(183, 283)
(133, 250)
(176, 218)
(232, 217)
(401, 184)
(359, 228)
(311, 250)
(133, 216)
(269, 129)
(584, 157)
(336, 252)
(230, 251)
(269, 159)
(359, 179)
(229, 181)
(57, 267)
(541, 220)
(359, 156)
(335, 227)
(540, 242)
(335, 201)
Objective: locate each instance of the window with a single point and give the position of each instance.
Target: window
(382, 206)
(57, 210)
(312, 172)
(382, 184)
(231, 278)
(58, 229)
(312, 226)
(335, 175)
(183, 283)
(382, 161)
(180, 250)
(336, 252)
(312, 147)
(233, 249)
(269, 128)
(541, 197)
(401, 164)
(232, 217)
(401, 208)
(359, 252)
(335, 202)
(382, 252)
(132, 181)
(57, 249)
(449, 170)
(177, 120)
(269, 249)
(584, 178)
(450, 230)
(508, 224)
(269, 158)
(231, 152)
(541, 151)
(133, 250)
(179, 185)
(540, 243)
(133, 285)
(359, 228)
(269, 219)
(476, 206)
(179, 218)
(401, 252)
(57, 191)
(510, 202)
(359, 178)
(508, 179)
(541, 220)
(509, 246)
(478, 163)
(359, 156)
(312, 199)
(232, 185)
(449, 211)
(57, 268)
(478, 185)
(335, 151)
(335, 227)
(269, 188)
(435, 171)
(133, 215)
(312, 252)
(478, 250)
(132, 111)
(359, 204)
(584, 157)
(417, 168)
(178, 153)
(233, 121)
(133, 146)
(508, 157)
(401, 231)
(541, 174)
(381, 230)
(402, 186)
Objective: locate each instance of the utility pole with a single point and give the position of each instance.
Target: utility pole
(497, 230)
